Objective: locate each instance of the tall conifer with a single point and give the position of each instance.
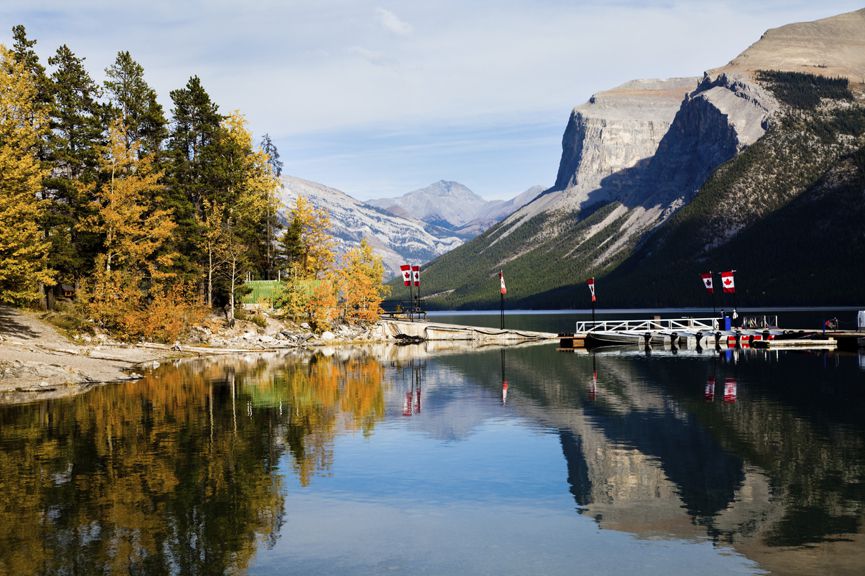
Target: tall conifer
(135, 101)
(77, 121)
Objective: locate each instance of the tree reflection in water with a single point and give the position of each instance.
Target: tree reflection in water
(176, 473)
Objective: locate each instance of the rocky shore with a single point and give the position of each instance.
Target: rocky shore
(37, 361)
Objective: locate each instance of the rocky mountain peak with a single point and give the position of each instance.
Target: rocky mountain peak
(833, 47)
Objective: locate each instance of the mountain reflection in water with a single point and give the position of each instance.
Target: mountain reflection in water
(221, 466)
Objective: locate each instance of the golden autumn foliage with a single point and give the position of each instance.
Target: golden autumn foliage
(23, 249)
(131, 292)
(322, 308)
(116, 301)
(316, 243)
(361, 284)
(319, 293)
(125, 209)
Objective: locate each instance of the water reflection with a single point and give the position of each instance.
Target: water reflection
(203, 467)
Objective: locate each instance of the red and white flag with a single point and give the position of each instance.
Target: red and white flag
(502, 281)
(728, 283)
(709, 393)
(415, 275)
(591, 283)
(707, 282)
(729, 390)
(406, 274)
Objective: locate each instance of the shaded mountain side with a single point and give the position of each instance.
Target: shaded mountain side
(557, 241)
(788, 214)
(467, 276)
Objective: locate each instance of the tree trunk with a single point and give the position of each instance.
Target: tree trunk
(209, 277)
(231, 293)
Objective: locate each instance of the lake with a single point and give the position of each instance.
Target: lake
(428, 459)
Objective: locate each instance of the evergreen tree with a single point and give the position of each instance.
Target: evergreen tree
(271, 222)
(77, 120)
(191, 177)
(23, 250)
(135, 101)
(290, 251)
(22, 49)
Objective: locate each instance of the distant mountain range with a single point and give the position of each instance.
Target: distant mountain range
(452, 206)
(415, 228)
(759, 166)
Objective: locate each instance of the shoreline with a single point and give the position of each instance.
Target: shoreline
(37, 362)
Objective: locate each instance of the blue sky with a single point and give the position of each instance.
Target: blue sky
(378, 98)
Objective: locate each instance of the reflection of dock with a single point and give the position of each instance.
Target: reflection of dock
(433, 331)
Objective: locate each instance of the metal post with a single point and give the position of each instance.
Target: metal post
(502, 311)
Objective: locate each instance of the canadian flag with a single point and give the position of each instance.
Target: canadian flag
(728, 283)
(729, 390)
(707, 282)
(709, 393)
(406, 274)
(502, 281)
(415, 275)
(591, 283)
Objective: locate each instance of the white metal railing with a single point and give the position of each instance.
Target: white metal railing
(643, 326)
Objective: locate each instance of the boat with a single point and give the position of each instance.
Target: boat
(597, 339)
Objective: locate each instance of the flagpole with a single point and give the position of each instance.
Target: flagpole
(502, 310)
(714, 298)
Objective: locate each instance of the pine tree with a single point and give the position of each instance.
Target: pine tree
(77, 122)
(191, 169)
(23, 250)
(135, 101)
(22, 48)
(290, 251)
(271, 225)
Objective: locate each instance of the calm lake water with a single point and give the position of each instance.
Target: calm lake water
(420, 460)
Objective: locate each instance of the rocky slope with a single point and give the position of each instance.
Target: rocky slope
(633, 157)
(398, 240)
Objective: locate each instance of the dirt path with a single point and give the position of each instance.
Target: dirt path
(36, 361)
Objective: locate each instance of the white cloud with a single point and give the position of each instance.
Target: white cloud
(311, 66)
(393, 23)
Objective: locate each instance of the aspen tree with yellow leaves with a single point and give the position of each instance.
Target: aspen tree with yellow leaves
(361, 284)
(23, 249)
(125, 212)
(250, 192)
(310, 291)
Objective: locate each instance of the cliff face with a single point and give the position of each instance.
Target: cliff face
(732, 151)
(616, 129)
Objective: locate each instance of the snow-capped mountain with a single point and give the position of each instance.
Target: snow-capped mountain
(453, 206)
(398, 240)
